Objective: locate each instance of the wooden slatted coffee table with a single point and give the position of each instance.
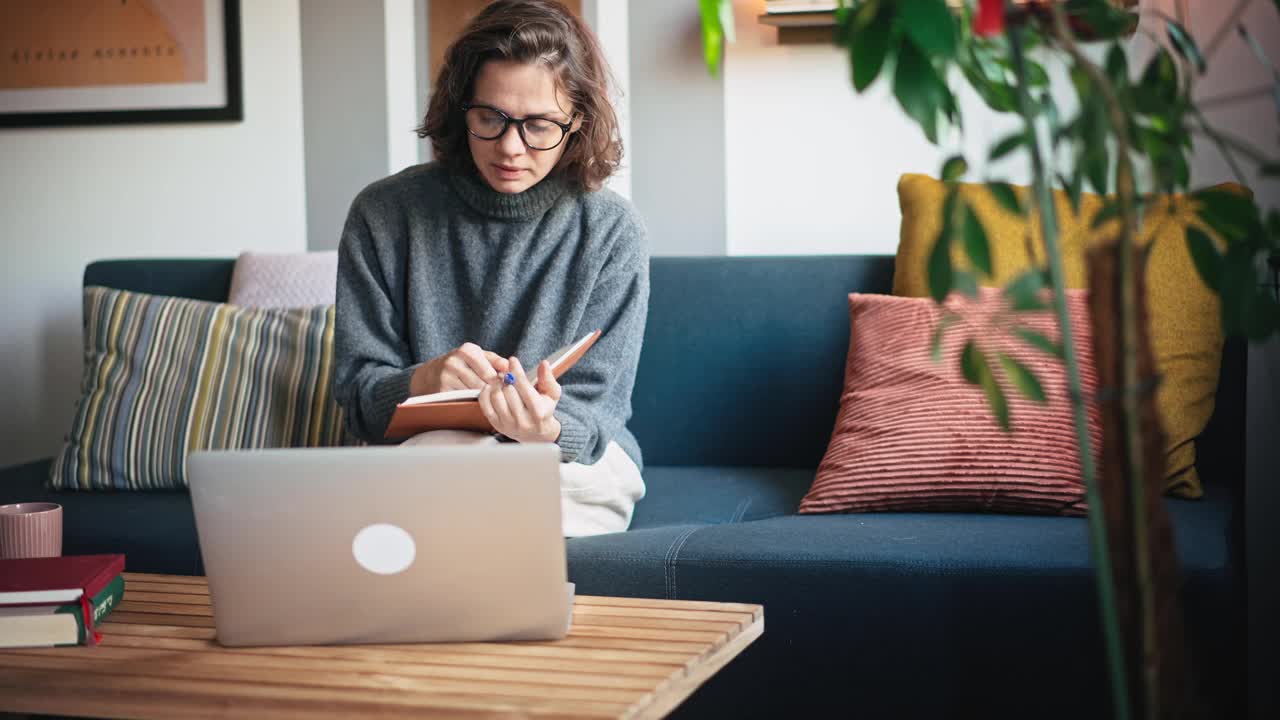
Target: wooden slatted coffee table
(624, 658)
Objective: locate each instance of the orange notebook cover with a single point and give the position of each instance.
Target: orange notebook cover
(460, 409)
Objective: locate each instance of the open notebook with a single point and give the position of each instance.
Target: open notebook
(460, 409)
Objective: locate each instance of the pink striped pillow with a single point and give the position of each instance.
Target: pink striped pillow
(911, 435)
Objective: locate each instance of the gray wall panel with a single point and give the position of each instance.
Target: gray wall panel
(344, 103)
(677, 152)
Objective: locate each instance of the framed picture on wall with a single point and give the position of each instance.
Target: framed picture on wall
(93, 62)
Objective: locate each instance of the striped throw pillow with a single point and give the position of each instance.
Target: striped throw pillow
(912, 435)
(165, 376)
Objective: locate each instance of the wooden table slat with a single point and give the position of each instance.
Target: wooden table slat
(166, 587)
(143, 659)
(135, 594)
(102, 672)
(197, 580)
(144, 618)
(671, 604)
(36, 690)
(623, 658)
(653, 665)
(580, 619)
(587, 648)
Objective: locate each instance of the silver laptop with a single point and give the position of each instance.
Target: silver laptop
(383, 544)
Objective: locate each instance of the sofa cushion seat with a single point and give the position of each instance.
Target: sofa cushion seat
(156, 530)
(908, 597)
(718, 494)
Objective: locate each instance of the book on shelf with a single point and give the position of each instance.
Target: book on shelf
(57, 600)
(781, 7)
(460, 409)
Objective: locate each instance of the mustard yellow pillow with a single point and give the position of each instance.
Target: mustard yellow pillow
(1186, 327)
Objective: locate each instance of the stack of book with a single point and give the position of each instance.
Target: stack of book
(58, 600)
(779, 7)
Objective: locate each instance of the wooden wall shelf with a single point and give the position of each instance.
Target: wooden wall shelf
(799, 19)
(802, 27)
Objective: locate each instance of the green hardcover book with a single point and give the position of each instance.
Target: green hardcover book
(51, 625)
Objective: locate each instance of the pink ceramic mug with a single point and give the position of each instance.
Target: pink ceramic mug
(30, 530)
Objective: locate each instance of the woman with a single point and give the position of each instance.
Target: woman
(506, 247)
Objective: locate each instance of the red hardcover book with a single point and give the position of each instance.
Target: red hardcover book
(56, 580)
(59, 580)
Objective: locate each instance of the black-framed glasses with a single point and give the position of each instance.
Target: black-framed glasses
(538, 133)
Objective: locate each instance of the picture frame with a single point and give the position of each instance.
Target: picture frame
(108, 62)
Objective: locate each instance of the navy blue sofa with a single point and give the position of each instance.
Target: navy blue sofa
(871, 615)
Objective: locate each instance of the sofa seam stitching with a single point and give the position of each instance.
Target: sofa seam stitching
(669, 561)
(675, 556)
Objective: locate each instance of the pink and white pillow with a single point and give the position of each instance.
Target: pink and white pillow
(284, 280)
(912, 435)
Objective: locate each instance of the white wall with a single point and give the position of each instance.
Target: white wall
(609, 19)
(812, 167)
(72, 195)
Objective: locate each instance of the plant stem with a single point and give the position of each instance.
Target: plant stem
(1223, 31)
(1225, 144)
(1133, 445)
(1256, 93)
(1097, 527)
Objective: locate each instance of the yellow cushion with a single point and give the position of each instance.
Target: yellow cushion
(1186, 328)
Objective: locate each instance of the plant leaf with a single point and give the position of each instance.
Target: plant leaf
(1186, 45)
(977, 365)
(1118, 65)
(1109, 211)
(712, 34)
(996, 398)
(869, 49)
(919, 89)
(1007, 145)
(1097, 163)
(1099, 20)
(1159, 83)
(975, 242)
(965, 283)
(1025, 291)
(939, 269)
(1208, 260)
(954, 168)
(1040, 341)
(999, 404)
(1005, 195)
(935, 344)
(931, 26)
(995, 92)
(1237, 289)
(1264, 317)
(972, 363)
(1232, 215)
(1074, 187)
(1023, 379)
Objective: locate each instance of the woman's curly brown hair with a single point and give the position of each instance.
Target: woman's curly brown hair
(529, 31)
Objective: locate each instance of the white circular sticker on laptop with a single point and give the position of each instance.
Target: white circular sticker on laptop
(384, 549)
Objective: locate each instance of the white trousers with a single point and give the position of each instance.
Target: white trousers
(594, 499)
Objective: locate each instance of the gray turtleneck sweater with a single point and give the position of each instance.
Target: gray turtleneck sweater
(430, 259)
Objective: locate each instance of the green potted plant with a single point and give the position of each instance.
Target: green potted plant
(1129, 142)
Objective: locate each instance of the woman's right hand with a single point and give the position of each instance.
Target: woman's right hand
(467, 367)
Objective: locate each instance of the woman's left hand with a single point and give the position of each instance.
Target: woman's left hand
(521, 411)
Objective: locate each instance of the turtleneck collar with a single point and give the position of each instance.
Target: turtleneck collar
(526, 205)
